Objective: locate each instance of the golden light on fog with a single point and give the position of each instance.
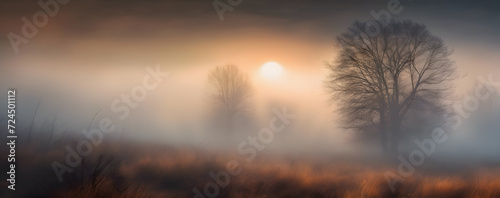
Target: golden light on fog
(271, 70)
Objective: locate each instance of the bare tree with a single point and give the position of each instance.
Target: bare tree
(231, 90)
(377, 79)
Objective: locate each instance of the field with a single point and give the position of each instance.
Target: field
(119, 170)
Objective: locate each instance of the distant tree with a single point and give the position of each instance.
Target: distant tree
(378, 78)
(230, 90)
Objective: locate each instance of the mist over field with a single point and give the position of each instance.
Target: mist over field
(249, 98)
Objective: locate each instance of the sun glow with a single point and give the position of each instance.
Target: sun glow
(271, 70)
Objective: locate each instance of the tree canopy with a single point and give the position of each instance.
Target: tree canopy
(377, 79)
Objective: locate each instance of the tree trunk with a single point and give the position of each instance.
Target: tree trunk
(383, 131)
(395, 129)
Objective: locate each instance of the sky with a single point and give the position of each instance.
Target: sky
(92, 51)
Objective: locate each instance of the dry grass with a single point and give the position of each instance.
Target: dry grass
(160, 171)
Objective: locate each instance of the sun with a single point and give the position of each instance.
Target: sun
(271, 70)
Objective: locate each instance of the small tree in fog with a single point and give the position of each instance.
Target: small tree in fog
(230, 90)
(379, 76)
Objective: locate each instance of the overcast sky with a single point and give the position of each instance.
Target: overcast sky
(91, 51)
(185, 30)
